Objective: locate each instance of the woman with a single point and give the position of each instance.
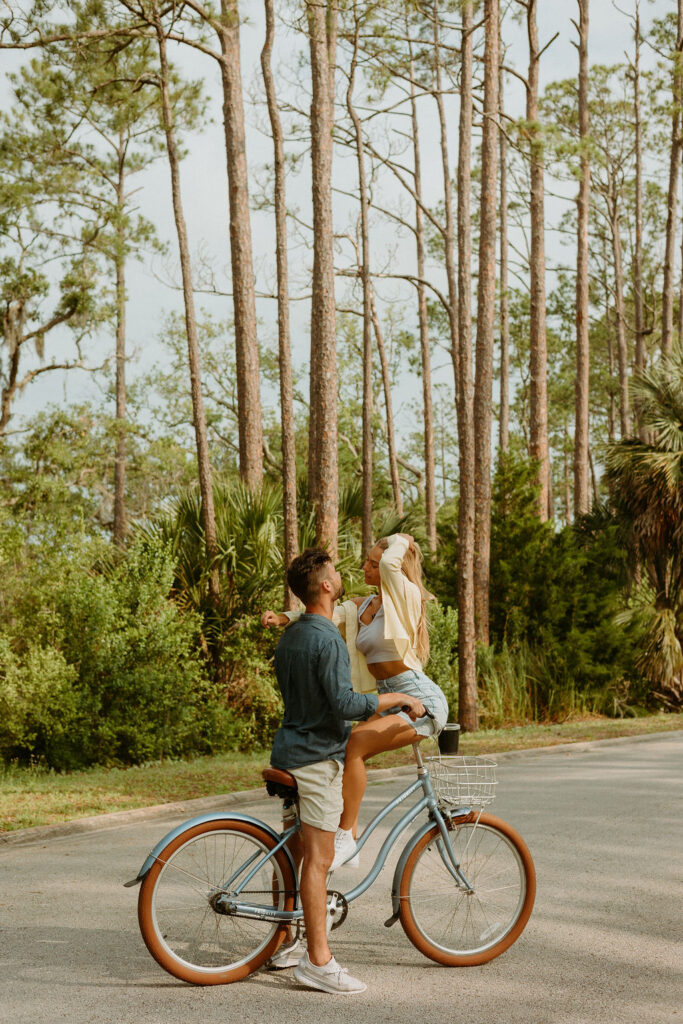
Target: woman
(393, 641)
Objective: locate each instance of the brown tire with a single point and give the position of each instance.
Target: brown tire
(444, 921)
(181, 928)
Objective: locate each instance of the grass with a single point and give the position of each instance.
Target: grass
(36, 796)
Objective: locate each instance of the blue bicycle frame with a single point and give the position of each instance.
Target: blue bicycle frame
(231, 905)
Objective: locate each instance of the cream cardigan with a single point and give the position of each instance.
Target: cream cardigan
(402, 605)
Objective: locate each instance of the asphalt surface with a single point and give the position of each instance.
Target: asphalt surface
(603, 944)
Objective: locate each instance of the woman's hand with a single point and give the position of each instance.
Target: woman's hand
(413, 706)
(269, 619)
(408, 537)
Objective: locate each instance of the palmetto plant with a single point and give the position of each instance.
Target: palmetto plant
(646, 487)
(250, 545)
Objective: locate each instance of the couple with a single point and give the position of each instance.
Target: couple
(386, 641)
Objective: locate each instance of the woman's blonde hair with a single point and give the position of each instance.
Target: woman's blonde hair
(412, 570)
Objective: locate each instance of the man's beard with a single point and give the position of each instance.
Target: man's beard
(340, 593)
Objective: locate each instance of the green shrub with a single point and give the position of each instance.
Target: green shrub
(442, 666)
(249, 686)
(38, 702)
(110, 666)
(557, 644)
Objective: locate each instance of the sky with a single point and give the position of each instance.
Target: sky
(204, 188)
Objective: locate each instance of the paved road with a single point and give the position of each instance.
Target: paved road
(603, 945)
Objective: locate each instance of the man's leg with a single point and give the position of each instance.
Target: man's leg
(318, 854)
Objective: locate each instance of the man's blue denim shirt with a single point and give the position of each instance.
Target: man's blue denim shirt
(314, 675)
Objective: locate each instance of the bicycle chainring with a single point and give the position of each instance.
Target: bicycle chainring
(337, 909)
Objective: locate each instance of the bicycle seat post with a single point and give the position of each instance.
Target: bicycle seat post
(418, 759)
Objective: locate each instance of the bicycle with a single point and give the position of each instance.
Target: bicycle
(219, 891)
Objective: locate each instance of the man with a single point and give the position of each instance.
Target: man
(313, 672)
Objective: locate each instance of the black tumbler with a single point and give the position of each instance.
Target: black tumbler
(448, 738)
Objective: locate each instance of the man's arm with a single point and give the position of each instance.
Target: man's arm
(335, 677)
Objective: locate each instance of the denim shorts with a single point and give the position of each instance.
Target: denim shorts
(417, 684)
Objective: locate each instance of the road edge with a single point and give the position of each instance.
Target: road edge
(188, 808)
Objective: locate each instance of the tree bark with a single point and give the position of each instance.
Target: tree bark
(467, 663)
(425, 351)
(622, 348)
(504, 412)
(672, 200)
(486, 323)
(538, 352)
(367, 447)
(638, 247)
(289, 510)
(120, 385)
(244, 302)
(582, 500)
(449, 224)
(386, 383)
(203, 462)
(323, 480)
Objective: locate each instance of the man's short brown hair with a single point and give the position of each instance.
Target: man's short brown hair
(306, 573)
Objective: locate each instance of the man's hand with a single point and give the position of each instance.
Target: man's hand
(269, 619)
(413, 706)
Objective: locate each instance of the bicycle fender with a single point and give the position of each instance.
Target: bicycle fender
(201, 820)
(402, 860)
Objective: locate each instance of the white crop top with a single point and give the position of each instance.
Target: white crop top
(370, 639)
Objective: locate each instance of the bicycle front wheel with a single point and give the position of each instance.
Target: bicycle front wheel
(452, 925)
(180, 918)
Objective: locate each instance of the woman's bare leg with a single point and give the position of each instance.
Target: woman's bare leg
(372, 737)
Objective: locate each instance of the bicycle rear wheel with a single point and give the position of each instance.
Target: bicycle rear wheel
(179, 920)
(444, 921)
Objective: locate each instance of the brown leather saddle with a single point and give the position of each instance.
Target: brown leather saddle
(280, 783)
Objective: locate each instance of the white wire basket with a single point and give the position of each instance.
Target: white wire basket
(463, 781)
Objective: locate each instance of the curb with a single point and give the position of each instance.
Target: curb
(189, 808)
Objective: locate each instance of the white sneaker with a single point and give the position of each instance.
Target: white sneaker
(344, 849)
(286, 956)
(329, 978)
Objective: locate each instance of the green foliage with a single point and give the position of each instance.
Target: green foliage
(101, 667)
(646, 511)
(556, 646)
(38, 702)
(442, 666)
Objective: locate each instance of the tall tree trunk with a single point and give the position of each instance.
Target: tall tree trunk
(638, 249)
(386, 384)
(504, 412)
(581, 428)
(566, 476)
(120, 456)
(323, 480)
(611, 407)
(244, 302)
(680, 297)
(289, 511)
(538, 352)
(425, 352)
(486, 322)
(674, 164)
(367, 457)
(449, 225)
(622, 348)
(203, 463)
(467, 664)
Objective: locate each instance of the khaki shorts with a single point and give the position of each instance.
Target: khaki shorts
(320, 794)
